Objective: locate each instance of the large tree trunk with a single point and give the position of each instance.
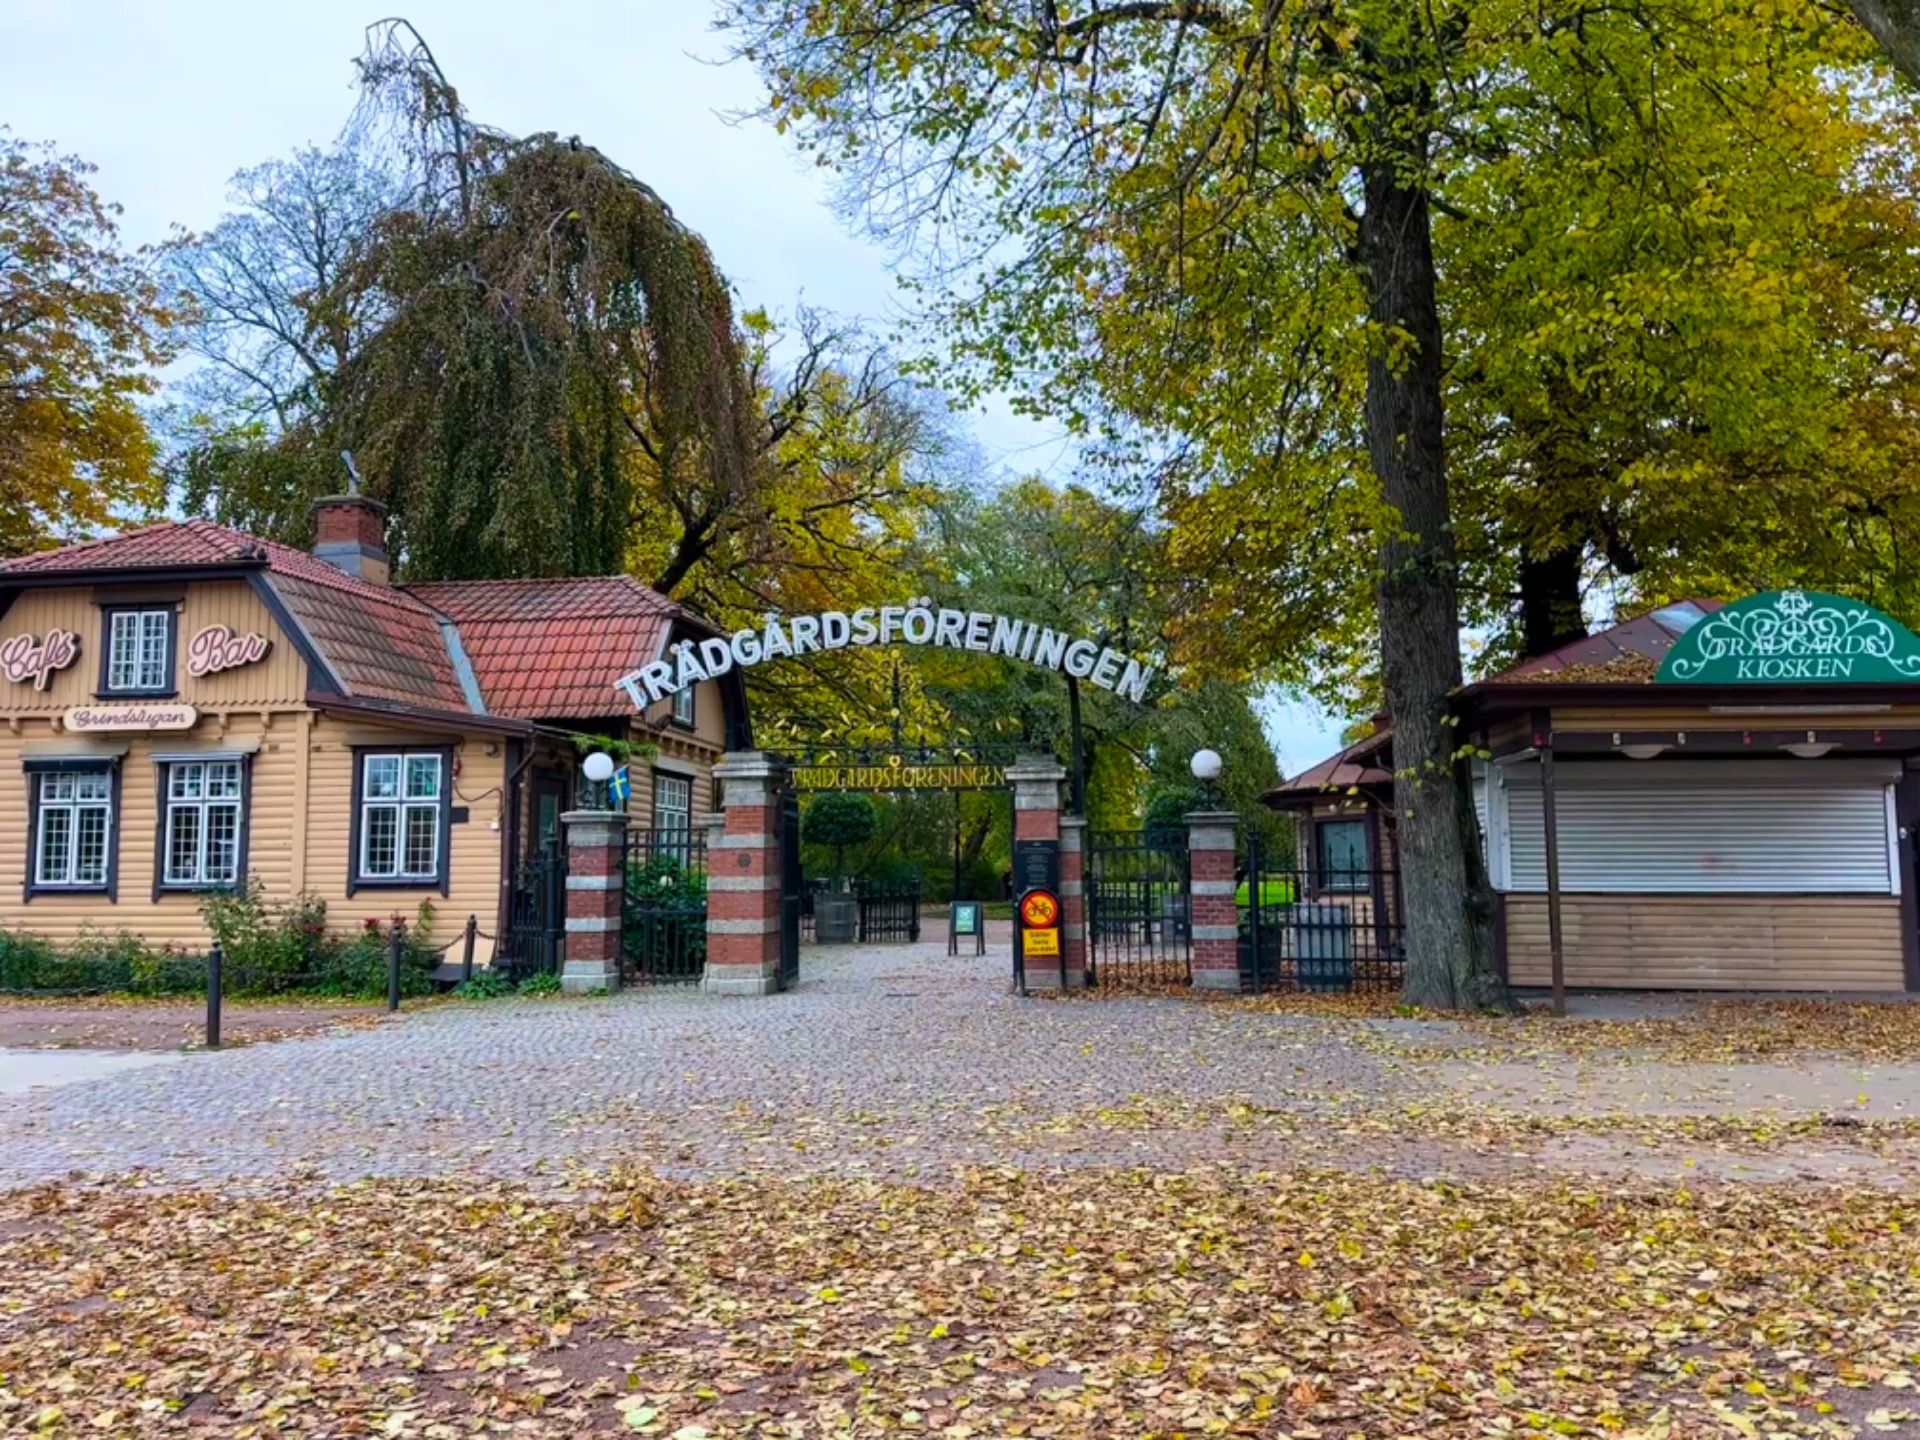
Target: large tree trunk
(1449, 931)
(1896, 25)
(1550, 612)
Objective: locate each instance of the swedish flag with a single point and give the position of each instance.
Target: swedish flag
(620, 786)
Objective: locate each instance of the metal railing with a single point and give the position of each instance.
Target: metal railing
(889, 909)
(535, 940)
(1139, 909)
(1326, 929)
(663, 930)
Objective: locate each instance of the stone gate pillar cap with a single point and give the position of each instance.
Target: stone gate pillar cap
(594, 817)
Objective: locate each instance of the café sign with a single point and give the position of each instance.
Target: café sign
(919, 622)
(133, 716)
(218, 648)
(1787, 637)
(23, 658)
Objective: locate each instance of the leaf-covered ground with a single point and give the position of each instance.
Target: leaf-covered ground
(130, 1023)
(900, 1200)
(1088, 1304)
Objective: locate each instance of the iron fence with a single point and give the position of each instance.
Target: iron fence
(1320, 928)
(889, 909)
(1139, 909)
(535, 940)
(663, 929)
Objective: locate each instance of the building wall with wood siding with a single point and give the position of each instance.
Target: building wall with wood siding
(171, 918)
(474, 845)
(277, 681)
(1711, 942)
(689, 754)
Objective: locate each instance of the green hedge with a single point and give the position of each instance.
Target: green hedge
(96, 964)
(268, 949)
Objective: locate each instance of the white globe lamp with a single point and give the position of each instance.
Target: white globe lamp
(1206, 766)
(598, 767)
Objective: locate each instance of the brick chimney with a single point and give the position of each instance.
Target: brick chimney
(350, 533)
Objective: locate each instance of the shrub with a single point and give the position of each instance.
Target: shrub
(95, 962)
(544, 983)
(275, 949)
(665, 924)
(838, 819)
(485, 985)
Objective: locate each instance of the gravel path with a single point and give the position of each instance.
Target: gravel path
(897, 1061)
(897, 1058)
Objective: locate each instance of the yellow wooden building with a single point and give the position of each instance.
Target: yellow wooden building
(184, 705)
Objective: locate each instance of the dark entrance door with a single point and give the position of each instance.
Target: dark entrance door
(549, 796)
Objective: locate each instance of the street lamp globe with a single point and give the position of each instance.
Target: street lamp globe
(598, 767)
(1206, 765)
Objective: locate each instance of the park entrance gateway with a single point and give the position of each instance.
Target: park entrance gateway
(756, 892)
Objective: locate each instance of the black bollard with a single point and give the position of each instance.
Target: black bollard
(396, 938)
(214, 959)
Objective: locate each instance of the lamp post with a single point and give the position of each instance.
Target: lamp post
(598, 768)
(1206, 766)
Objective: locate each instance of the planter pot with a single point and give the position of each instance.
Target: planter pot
(836, 919)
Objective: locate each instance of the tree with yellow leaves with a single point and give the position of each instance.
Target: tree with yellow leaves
(81, 332)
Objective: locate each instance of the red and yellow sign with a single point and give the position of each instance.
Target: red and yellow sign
(1040, 925)
(1039, 910)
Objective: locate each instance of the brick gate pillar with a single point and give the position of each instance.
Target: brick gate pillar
(1036, 781)
(743, 878)
(1212, 845)
(596, 897)
(1073, 898)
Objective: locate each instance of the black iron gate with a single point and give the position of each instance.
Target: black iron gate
(1139, 910)
(535, 942)
(1320, 928)
(889, 909)
(663, 920)
(792, 890)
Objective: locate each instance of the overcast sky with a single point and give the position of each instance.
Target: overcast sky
(169, 101)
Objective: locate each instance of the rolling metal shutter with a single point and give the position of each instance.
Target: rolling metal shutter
(1704, 827)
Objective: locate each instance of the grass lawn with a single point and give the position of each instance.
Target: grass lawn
(1273, 891)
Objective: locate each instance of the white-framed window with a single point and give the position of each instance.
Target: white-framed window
(200, 845)
(73, 829)
(139, 650)
(400, 808)
(672, 802)
(683, 707)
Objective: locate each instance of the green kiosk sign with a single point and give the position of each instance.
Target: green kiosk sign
(1785, 637)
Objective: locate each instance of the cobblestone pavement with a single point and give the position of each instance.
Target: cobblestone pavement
(891, 1060)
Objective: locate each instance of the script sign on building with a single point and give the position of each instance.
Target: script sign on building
(1794, 637)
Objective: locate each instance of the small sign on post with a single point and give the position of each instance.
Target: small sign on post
(1040, 924)
(966, 917)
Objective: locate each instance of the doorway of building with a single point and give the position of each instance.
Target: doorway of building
(549, 799)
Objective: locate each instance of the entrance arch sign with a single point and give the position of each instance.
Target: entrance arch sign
(919, 622)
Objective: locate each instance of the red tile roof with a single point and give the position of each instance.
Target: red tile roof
(539, 648)
(553, 649)
(1607, 655)
(1344, 770)
(167, 546)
